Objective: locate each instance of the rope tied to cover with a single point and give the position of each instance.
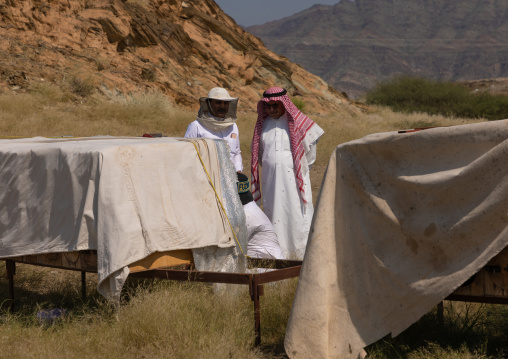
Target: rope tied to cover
(217, 195)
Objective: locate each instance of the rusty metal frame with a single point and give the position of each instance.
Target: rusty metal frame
(280, 270)
(477, 299)
(469, 299)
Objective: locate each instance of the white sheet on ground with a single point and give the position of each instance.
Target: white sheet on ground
(124, 197)
(401, 221)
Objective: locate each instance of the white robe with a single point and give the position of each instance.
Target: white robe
(290, 217)
(196, 130)
(263, 241)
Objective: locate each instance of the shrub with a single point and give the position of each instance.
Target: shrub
(412, 94)
(298, 103)
(82, 87)
(148, 74)
(47, 91)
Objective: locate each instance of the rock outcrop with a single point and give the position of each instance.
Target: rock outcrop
(354, 44)
(182, 48)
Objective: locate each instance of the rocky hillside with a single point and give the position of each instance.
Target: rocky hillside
(354, 44)
(182, 48)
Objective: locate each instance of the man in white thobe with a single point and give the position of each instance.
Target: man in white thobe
(263, 241)
(284, 144)
(216, 119)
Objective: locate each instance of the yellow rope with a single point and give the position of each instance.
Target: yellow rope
(209, 179)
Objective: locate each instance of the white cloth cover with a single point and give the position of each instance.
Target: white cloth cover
(124, 197)
(282, 204)
(196, 130)
(401, 221)
(263, 241)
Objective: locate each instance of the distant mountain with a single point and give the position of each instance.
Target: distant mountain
(180, 48)
(354, 44)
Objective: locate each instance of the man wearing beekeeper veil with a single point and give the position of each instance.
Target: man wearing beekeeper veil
(216, 120)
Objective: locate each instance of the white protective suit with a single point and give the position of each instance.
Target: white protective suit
(209, 126)
(197, 130)
(263, 241)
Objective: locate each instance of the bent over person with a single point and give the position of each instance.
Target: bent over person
(284, 145)
(216, 119)
(263, 241)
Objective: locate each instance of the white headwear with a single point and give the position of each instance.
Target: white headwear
(219, 93)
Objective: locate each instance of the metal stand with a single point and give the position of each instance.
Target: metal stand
(477, 299)
(290, 269)
(11, 270)
(440, 314)
(281, 269)
(83, 285)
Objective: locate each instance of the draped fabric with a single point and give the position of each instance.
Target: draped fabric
(124, 197)
(402, 220)
(229, 134)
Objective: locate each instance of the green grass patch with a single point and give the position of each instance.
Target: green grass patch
(298, 103)
(413, 94)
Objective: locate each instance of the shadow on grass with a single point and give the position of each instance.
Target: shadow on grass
(469, 330)
(38, 288)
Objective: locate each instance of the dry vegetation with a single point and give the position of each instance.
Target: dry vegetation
(172, 320)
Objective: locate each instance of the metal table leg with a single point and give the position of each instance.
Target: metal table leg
(11, 270)
(256, 290)
(83, 285)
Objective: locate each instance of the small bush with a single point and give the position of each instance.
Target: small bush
(412, 94)
(298, 103)
(416, 124)
(148, 74)
(101, 64)
(82, 87)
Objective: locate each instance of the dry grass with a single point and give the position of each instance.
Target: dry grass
(158, 320)
(163, 319)
(437, 352)
(50, 112)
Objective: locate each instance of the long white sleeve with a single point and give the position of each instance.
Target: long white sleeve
(311, 155)
(236, 153)
(310, 144)
(192, 130)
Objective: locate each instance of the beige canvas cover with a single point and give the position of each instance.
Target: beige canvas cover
(125, 197)
(402, 220)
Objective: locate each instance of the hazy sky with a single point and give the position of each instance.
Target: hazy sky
(257, 12)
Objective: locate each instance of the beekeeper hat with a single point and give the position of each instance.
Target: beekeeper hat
(219, 93)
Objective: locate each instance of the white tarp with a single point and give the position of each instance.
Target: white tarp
(401, 221)
(124, 197)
